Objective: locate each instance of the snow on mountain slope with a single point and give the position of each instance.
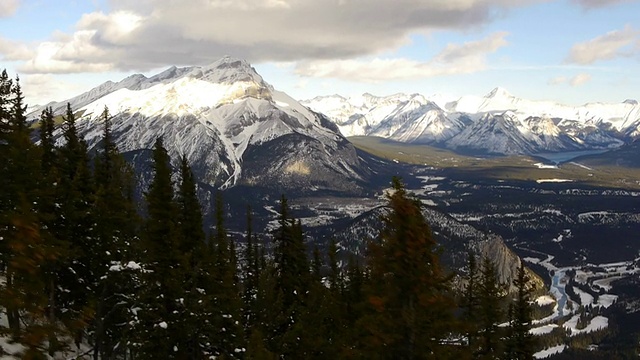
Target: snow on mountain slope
(500, 134)
(212, 115)
(529, 126)
(410, 118)
(419, 123)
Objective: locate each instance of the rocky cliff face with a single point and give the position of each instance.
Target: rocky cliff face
(457, 240)
(506, 261)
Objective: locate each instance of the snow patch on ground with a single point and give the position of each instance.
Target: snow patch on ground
(585, 298)
(531, 260)
(549, 351)
(580, 165)
(544, 329)
(545, 166)
(540, 181)
(545, 300)
(427, 178)
(606, 300)
(597, 323)
(428, 202)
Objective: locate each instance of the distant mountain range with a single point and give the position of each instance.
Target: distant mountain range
(498, 123)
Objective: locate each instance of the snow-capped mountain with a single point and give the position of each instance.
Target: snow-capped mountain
(495, 123)
(222, 117)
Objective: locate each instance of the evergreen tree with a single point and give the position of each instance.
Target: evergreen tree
(161, 290)
(5, 105)
(24, 291)
(292, 279)
(470, 304)
(266, 329)
(75, 272)
(353, 304)
(5, 162)
(291, 262)
(251, 277)
(227, 302)
(47, 145)
(20, 174)
(491, 294)
(115, 231)
(410, 308)
(520, 341)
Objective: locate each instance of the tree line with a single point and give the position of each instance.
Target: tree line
(83, 273)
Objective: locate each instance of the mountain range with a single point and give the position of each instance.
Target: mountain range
(232, 126)
(497, 123)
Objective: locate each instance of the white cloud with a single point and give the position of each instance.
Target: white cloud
(609, 46)
(8, 7)
(454, 59)
(147, 34)
(13, 51)
(58, 57)
(575, 81)
(580, 79)
(591, 4)
(39, 89)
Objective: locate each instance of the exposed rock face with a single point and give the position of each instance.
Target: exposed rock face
(457, 240)
(506, 261)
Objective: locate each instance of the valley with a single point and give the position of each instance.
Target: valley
(579, 236)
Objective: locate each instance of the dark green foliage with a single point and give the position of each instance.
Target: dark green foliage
(292, 278)
(409, 305)
(491, 294)
(160, 295)
(226, 302)
(76, 275)
(470, 304)
(251, 278)
(46, 140)
(25, 249)
(115, 232)
(520, 343)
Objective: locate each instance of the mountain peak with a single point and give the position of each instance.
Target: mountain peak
(227, 70)
(498, 92)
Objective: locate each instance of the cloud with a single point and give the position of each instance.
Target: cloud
(8, 7)
(147, 34)
(575, 81)
(614, 44)
(58, 57)
(592, 4)
(40, 89)
(13, 51)
(454, 59)
(580, 79)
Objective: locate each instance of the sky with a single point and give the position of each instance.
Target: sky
(569, 51)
